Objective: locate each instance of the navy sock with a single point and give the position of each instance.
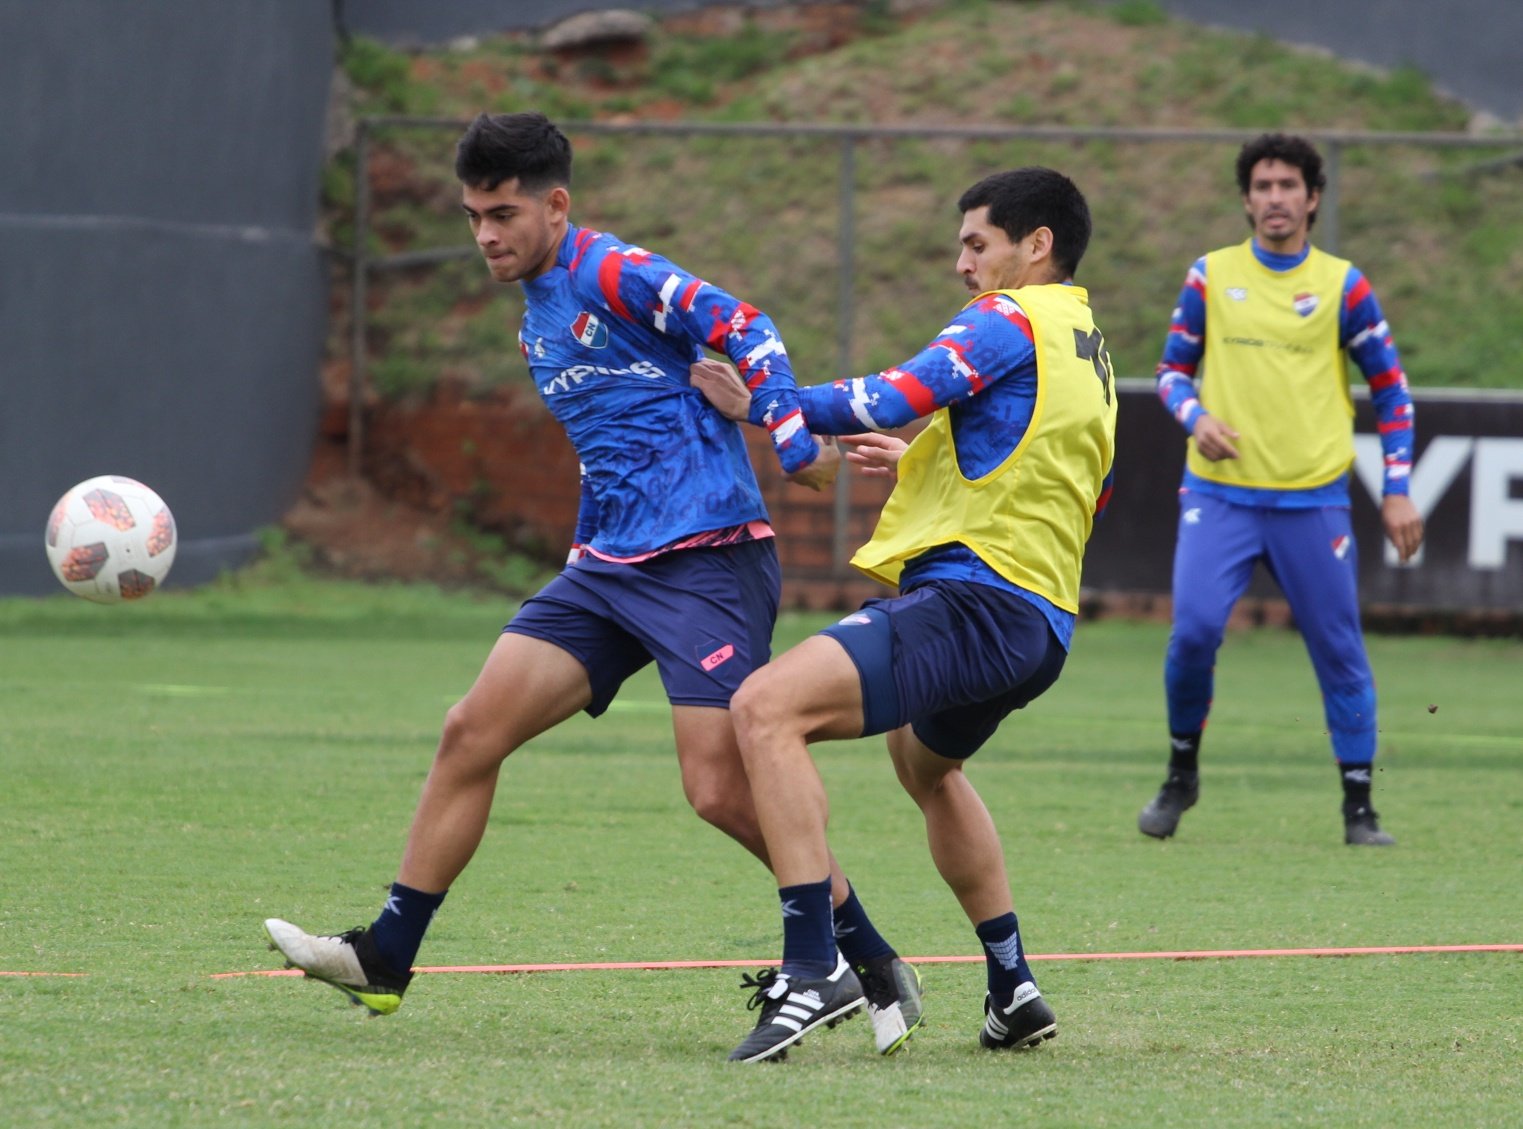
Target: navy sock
(1356, 784)
(809, 944)
(1003, 955)
(1184, 752)
(857, 938)
(398, 931)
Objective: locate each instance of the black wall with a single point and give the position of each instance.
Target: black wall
(162, 301)
(1468, 474)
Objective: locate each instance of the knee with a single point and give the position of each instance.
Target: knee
(751, 710)
(466, 742)
(920, 779)
(724, 809)
(1194, 641)
(910, 781)
(1351, 707)
(459, 731)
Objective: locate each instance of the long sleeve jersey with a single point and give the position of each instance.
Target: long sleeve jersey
(982, 369)
(1363, 332)
(609, 333)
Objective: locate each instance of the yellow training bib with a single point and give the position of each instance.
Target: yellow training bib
(1273, 371)
(1028, 518)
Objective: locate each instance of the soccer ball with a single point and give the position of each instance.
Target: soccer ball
(110, 539)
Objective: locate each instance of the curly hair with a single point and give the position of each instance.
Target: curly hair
(1285, 147)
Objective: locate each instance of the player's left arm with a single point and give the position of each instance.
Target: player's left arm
(645, 287)
(1363, 331)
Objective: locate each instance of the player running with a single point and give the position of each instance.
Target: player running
(673, 563)
(984, 534)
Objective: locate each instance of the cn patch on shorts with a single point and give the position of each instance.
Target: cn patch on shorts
(712, 654)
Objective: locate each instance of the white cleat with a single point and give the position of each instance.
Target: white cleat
(341, 961)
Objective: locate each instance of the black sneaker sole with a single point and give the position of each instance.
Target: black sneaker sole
(779, 1051)
(1025, 1042)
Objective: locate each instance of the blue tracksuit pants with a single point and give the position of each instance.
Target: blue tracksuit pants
(1312, 557)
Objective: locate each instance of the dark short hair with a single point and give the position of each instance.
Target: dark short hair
(1022, 200)
(525, 146)
(1285, 147)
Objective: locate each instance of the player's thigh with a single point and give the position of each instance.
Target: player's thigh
(576, 612)
(945, 645)
(1215, 551)
(1026, 657)
(812, 690)
(526, 686)
(919, 769)
(708, 752)
(1316, 563)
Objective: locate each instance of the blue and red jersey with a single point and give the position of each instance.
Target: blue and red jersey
(609, 333)
(1362, 331)
(982, 369)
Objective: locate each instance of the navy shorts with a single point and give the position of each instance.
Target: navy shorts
(950, 658)
(703, 615)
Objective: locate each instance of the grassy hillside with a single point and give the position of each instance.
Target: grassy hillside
(1442, 243)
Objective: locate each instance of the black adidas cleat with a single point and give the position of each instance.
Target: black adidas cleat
(791, 1008)
(1177, 796)
(349, 962)
(1024, 1022)
(1361, 827)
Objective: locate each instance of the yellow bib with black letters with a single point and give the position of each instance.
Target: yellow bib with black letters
(1028, 518)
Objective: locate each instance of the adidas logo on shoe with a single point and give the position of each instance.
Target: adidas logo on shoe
(1024, 1022)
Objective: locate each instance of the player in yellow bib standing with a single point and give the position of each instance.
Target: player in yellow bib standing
(984, 536)
(1255, 369)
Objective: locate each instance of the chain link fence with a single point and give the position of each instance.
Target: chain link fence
(846, 236)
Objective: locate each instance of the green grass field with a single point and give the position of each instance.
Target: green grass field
(173, 773)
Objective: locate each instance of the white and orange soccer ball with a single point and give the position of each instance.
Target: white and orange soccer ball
(110, 539)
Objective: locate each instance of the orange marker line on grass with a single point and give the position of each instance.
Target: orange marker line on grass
(1202, 954)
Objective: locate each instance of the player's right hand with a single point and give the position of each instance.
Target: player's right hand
(723, 387)
(822, 472)
(1213, 438)
(875, 455)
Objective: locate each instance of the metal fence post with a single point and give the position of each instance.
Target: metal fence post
(1327, 211)
(357, 298)
(845, 285)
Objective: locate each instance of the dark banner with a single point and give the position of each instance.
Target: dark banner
(1467, 482)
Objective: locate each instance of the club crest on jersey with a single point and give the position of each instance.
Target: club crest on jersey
(1237, 293)
(1304, 304)
(1341, 546)
(589, 331)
